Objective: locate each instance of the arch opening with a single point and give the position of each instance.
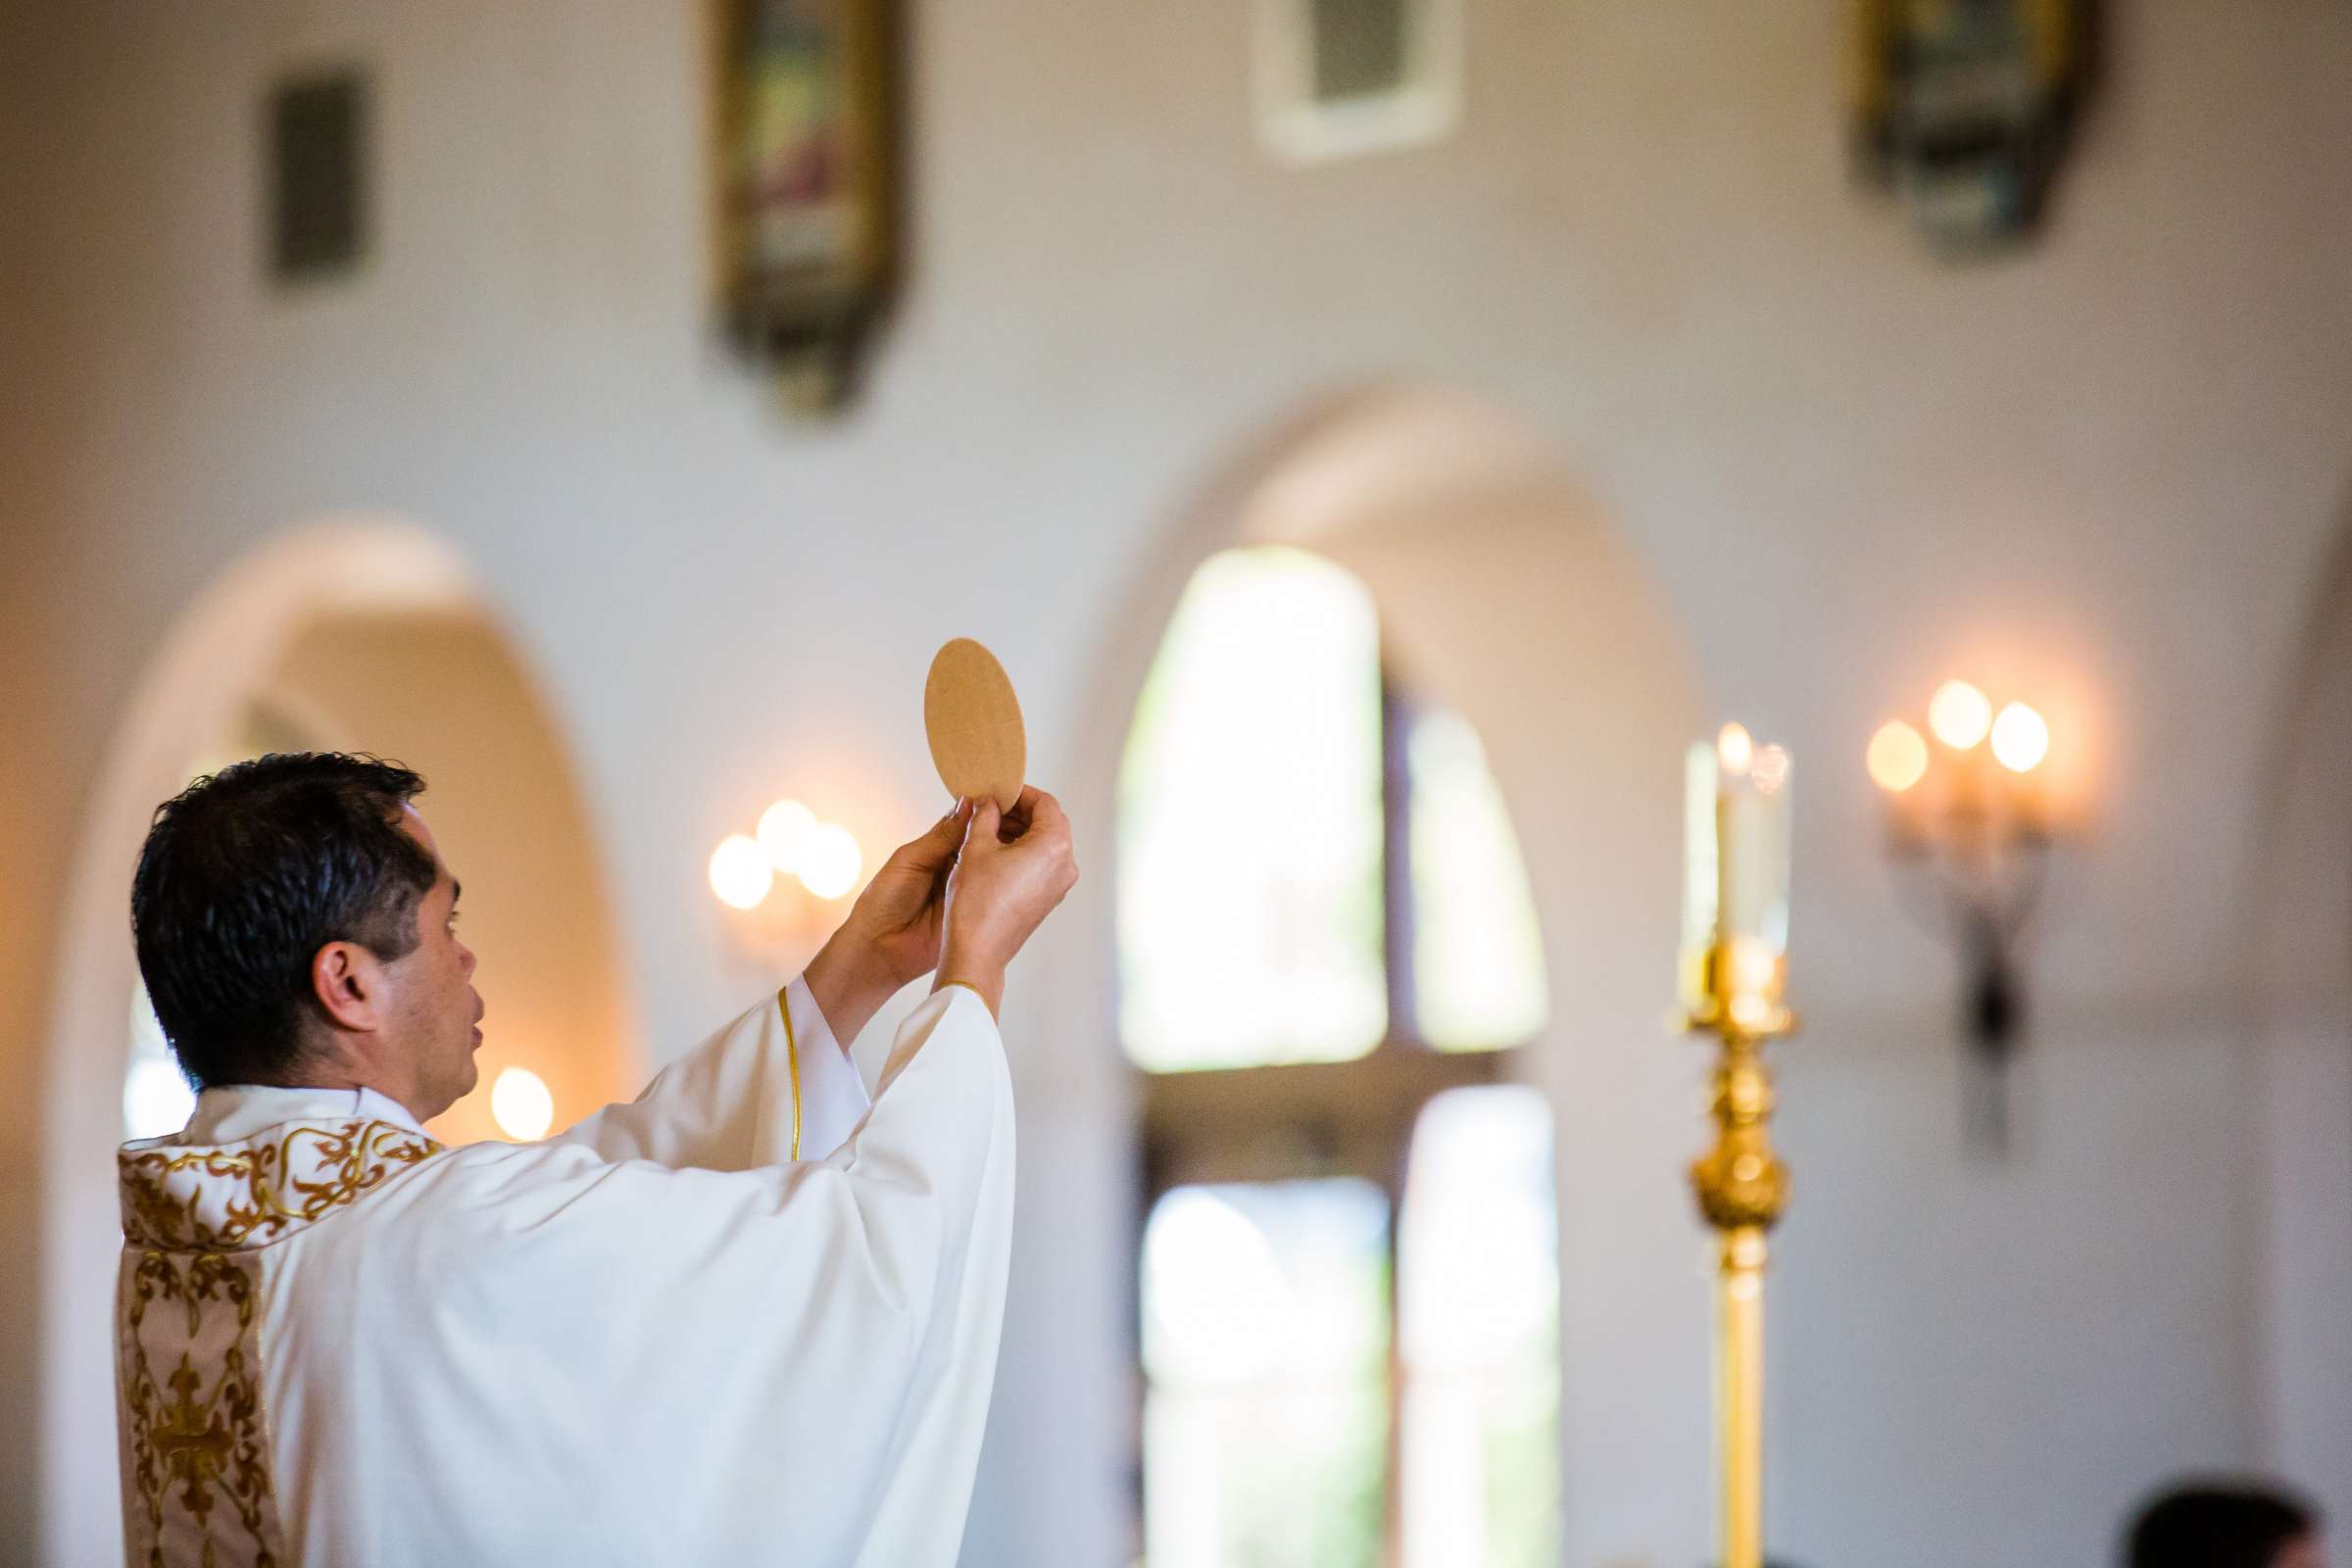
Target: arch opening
(1506, 595)
(356, 635)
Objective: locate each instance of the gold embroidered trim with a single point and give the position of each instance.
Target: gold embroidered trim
(207, 1444)
(792, 1056)
(249, 1195)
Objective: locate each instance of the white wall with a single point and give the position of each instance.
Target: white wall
(2298, 931)
(2104, 473)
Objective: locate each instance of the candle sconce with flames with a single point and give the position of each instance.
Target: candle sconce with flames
(787, 881)
(1969, 826)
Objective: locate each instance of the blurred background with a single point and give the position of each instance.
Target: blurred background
(1378, 437)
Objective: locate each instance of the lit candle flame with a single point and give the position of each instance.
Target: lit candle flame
(1897, 758)
(783, 833)
(521, 1104)
(1736, 750)
(740, 872)
(1959, 714)
(830, 861)
(2021, 738)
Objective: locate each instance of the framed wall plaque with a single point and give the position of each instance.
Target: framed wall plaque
(807, 183)
(1964, 108)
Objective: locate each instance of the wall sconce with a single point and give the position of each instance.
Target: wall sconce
(521, 1104)
(785, 874)
(1965, 805)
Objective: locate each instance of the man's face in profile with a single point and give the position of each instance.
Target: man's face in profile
(436, 1010)
(2304, 1552)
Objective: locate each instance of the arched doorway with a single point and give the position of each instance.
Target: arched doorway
(1507, 596)
(356, 636)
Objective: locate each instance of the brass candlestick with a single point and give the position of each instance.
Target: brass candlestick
(1742, 1187)
(1734, 972)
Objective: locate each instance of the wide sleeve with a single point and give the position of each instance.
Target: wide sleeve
(634, 1363)
(772, 1086)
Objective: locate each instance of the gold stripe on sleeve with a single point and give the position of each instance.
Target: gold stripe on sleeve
(792, 1056)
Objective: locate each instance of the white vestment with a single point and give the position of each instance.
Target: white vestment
(659, 1338)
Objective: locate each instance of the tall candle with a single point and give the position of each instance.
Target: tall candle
(1701, 881)
(1736, 892)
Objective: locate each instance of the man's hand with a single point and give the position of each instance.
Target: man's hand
(900, 916)
(1011, 872)
(894, 931)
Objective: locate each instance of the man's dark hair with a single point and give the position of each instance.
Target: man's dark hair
(246, 874)
(2218, 1526)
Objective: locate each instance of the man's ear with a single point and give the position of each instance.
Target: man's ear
(349, 982)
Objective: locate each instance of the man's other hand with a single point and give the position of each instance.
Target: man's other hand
(893, 932)
(1012, 870)
(901, 916)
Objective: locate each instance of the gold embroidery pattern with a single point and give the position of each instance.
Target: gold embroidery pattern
(249, 1195)
(196, 1464)
(195, 1441)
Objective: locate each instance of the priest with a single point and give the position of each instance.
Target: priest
(747, 1318)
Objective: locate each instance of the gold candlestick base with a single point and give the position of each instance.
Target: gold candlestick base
(1742, 1187)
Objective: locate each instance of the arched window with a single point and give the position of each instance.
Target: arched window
(1327, 951)
(1250, 918)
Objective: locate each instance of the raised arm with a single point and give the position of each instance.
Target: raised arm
(776, 1083)
(796, 1360)
(790, 1363)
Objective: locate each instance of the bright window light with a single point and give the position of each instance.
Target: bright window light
(1250, 824)
(156, 1098)
(1265, 1340)
(1479, 1330)
(1477, 956)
